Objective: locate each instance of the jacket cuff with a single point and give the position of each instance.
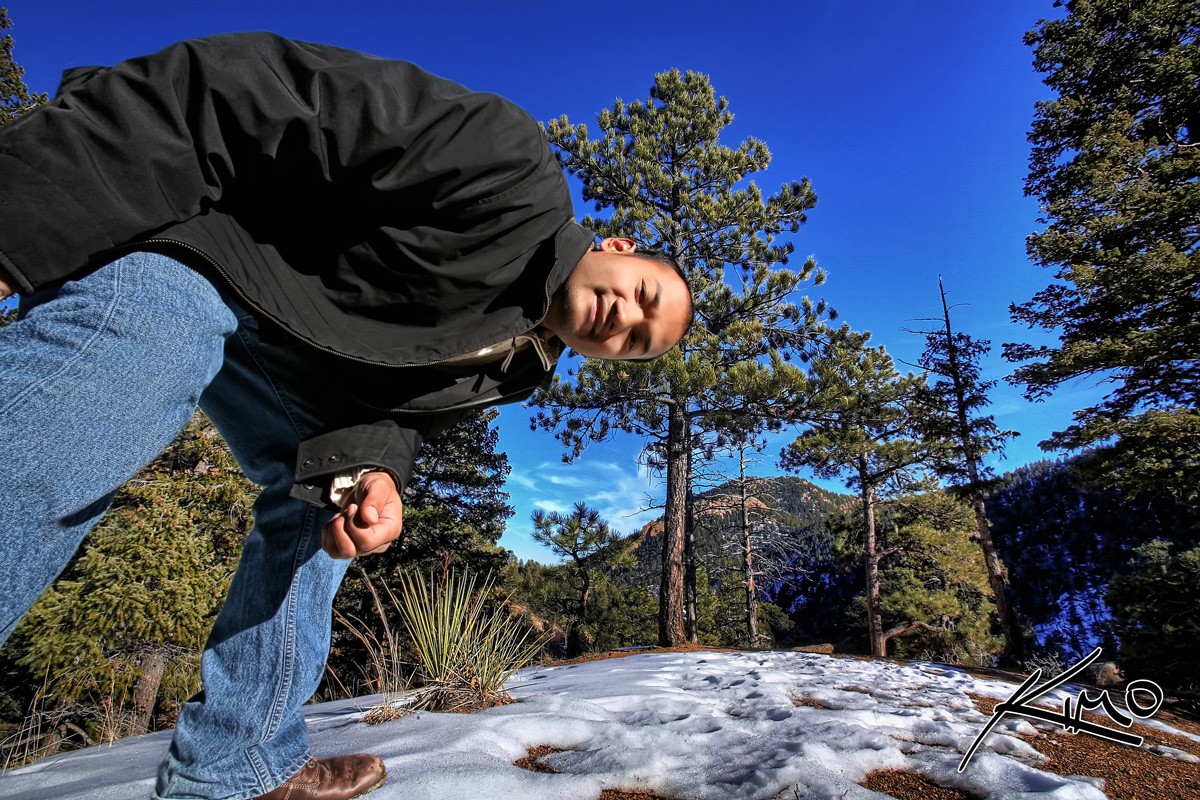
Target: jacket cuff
(346, 480)
(384, 445)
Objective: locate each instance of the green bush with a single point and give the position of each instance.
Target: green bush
(1157, 612)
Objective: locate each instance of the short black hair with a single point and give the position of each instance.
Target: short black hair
(661, 257)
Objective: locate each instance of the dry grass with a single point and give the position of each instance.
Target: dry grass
(809, 702)
(859, 689)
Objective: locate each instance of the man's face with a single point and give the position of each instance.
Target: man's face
(615, 305)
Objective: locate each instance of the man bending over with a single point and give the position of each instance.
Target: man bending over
(335, 256)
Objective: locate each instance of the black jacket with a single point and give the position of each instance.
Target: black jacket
(386, 217)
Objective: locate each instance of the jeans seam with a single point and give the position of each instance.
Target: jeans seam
(283, 690)
(102, 328)
(268, 782)
(279, 703)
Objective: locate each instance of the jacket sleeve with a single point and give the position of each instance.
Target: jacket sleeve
(386, 444)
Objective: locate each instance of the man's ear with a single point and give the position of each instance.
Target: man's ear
(617, 245)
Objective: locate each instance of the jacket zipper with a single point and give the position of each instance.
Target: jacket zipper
(249, 302)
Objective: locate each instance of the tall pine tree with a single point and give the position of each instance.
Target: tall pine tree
(667, 181)
(870, 435)
(958, 396)
(744, 516)
(1114, 166)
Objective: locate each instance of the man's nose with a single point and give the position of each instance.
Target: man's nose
(627, 315)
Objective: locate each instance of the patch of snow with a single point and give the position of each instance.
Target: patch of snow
(705, 726)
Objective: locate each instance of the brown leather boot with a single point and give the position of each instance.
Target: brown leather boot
(336, 778)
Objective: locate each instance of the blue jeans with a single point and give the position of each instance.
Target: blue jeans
(94, 382)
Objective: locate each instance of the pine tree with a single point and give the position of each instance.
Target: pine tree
(1157, 614)
(15, 100)
(1064, 538)
(746, 542)
(870, 435)
(669, 184)
(957, 396)
(455, 507)
(592, 547)
(935, 588)
(124, 625)
(15, 97)
(1114, 166)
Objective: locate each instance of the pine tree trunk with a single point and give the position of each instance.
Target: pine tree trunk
(670, 591)
(748, 559)
(585, 594)
(574, 640)
(871, 564)
(145, 692)
(751, 590)
(1014, 642)
(691, 599)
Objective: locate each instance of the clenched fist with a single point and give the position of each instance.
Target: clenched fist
(370, 519)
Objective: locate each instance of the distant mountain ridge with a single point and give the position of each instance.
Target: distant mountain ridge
(792, 500)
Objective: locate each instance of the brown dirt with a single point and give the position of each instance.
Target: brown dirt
(1174, 712)
(531, 762)
(1129, 773)
(911, 785)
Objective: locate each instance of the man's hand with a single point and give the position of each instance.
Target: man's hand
(369, 521)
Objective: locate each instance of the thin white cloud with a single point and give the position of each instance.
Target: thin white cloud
(522, 478)
(622, 491)
(562, 480)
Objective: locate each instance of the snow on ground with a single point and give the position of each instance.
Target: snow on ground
(698, 725)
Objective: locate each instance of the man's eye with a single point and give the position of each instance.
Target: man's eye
(632, 343)
(641, 296)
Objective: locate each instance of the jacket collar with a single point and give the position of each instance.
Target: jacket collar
(570, 243)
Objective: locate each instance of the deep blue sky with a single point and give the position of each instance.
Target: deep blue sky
(908, 116)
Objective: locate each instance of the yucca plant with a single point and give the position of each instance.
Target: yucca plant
(464, 651)
(385, 673)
